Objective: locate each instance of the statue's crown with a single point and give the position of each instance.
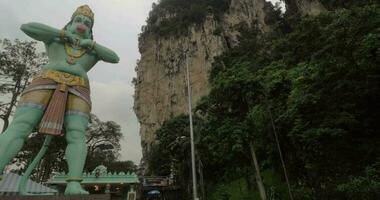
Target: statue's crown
(84, 10)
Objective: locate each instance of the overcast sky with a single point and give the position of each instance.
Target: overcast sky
(117, 25)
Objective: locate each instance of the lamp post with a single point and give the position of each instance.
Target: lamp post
(195, 193)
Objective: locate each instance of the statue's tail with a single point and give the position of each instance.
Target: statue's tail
(25, 177)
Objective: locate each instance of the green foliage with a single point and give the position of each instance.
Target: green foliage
(233, 190)
(159, 161)
(174, 17)
(365, 187)
(122, 166)
(320, 83)
(171, 154)
(245, 188)
(333, 4)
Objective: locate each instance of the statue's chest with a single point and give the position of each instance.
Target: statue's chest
(55, 51)
(58, 52)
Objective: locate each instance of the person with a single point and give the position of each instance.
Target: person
(58, 101)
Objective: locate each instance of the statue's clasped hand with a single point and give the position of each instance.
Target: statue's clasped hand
(67, 36)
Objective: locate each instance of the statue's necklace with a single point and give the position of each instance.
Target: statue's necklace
(72, 57)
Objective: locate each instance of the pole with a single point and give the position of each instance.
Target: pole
(195, 193)
(201, 180)
(259, 181)
(279, 151)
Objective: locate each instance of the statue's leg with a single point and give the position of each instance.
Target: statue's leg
(76, 151)
(12, 140)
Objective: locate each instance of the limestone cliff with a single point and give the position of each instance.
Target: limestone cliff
(305, 7)
(161, 72)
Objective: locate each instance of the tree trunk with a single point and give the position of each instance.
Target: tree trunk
(259, 181)
(10, 108)
(6, 124)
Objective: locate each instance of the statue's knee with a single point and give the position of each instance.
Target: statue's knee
(20, 129)
(24, 122)
(75, 129)
(75, 135)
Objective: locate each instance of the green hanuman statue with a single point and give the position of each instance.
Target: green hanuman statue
(57, 102)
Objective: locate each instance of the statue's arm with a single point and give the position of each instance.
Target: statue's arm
(106, 54)
(40, 31)
(103, 53)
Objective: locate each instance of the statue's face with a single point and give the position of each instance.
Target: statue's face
(81, 26)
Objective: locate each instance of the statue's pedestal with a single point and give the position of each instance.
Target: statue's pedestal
(52, 197)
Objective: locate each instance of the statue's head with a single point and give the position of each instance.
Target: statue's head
(81, 22)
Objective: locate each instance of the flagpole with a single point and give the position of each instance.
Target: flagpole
(195, 192)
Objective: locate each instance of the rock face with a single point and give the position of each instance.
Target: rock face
(161, 91)
(310, 7)
(306, 7)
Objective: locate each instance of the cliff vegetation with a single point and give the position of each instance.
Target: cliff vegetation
(173, 17)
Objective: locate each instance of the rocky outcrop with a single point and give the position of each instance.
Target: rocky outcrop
(161, 72)
(305, 7)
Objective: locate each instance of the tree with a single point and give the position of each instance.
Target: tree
(122, 166)
(171, 154)
(103, 141)
(19, 61)
(53, 161)
(320, 84)
(366, 187)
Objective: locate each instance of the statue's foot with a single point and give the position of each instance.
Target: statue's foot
(74, 188)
